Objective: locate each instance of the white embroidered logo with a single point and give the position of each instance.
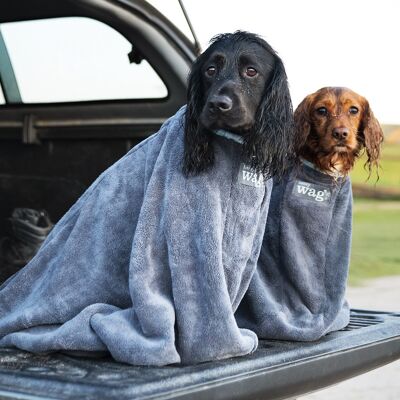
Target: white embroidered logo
(248, 176)
(312, 192)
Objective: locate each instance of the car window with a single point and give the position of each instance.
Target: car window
(2, 101)
(76, 59)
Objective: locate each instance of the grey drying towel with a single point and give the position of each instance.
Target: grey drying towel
(148, 264)
(298, 289)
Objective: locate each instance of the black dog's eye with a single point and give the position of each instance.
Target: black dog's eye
(210, 71)
(353, 110)
(322, 111)
(250, 71)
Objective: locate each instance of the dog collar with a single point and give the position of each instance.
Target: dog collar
(334, 174)
(230, 136)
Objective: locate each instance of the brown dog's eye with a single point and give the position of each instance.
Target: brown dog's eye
(322, 111)
(250, 71)
(353, 110)
(211, 71)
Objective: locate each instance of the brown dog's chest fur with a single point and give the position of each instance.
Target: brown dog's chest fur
(336, 162)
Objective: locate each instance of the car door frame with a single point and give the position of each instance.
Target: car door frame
(164, 47)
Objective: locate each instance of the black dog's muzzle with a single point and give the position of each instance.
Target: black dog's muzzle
(220, 103)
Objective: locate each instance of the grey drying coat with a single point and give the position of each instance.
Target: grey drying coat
(298, 289)
(148, 265)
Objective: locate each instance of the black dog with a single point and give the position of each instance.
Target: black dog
(239, 84)
(166, 258)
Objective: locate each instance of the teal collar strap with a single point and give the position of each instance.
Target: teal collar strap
(335, 174)
(229, 135)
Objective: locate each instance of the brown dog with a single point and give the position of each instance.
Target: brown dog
(298, 290)
(333, 126)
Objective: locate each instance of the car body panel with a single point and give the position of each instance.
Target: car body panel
(277, 370)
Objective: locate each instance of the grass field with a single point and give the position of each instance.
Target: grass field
(376, 223)
(389, 173)
(376, 240)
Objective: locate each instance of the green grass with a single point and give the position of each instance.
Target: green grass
(376, 240)
(389, 173)
(376, 223)
(391, 150)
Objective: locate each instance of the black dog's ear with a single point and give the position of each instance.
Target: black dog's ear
(198, 153)
(270, 147)
(371, 136)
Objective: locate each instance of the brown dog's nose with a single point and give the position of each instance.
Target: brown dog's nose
(340, 133)
(220, 102)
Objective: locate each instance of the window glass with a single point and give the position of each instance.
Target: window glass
(2, 100)
(76, 59)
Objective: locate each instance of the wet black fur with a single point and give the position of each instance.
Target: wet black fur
(269, 145)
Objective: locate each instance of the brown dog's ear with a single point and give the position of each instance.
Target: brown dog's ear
(372, 135)
(302, 123)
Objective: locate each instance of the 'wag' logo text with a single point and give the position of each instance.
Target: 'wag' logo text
(311, 192)
(249, 177)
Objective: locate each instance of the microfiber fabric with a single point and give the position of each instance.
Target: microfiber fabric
(298, 289)
(148, 264)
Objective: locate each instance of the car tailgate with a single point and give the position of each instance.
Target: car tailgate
(277, 370)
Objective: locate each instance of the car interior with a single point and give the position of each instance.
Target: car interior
(78, 90)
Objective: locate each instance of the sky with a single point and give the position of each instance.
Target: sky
(322, 43)
(76, 59)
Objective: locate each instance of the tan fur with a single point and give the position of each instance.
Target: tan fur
(314, 132)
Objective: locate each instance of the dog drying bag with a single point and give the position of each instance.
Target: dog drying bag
(298, 289)
(148, 264)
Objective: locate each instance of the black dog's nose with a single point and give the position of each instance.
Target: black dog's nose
(221, 102)
(340, 133)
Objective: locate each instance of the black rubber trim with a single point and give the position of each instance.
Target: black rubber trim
(298, 378)
(277, 370)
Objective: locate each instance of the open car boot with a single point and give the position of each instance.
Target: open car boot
(29, 229)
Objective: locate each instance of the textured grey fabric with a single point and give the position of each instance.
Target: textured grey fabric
(148, 264)
(298, 289)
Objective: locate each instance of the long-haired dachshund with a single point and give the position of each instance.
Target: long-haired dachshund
(333, 126)
(239, 85)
